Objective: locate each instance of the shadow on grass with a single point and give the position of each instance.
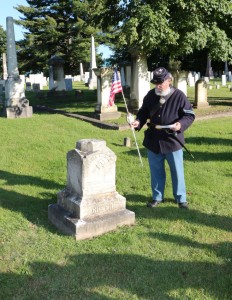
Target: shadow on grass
(103, 276)
(199, 156)
(32, 208)
(223, 101)
(223, 250)
(208, 141)
(165, 212)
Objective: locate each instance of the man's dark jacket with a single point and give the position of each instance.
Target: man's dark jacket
(177, 108)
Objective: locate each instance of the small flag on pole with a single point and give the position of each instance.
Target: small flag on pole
(116, 87)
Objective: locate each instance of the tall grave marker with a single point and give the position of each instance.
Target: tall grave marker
(16, 105)
(92, 77)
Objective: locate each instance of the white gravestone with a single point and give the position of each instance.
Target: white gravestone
(140, 81)
(201, 94)
(191, 81)
(104, 82)
(223, 80)
(92, 77)
(90, 205)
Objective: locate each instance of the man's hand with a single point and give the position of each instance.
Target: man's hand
(177, 126)
(135, 124)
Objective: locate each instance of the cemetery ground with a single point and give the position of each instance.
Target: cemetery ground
(168, 254)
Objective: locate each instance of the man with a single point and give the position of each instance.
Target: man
(165, 105)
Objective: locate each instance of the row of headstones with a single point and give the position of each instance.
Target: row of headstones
(36, 82)
(193, 77)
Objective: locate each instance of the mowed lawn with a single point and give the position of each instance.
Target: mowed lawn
(168, 254)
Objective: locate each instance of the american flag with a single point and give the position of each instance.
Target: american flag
(116, 87)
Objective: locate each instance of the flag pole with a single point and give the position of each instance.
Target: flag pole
(133, 130)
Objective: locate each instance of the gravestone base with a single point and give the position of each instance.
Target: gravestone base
(88, 228)
(16, 112)
(103, 113)
(201, 105)
(107, 116)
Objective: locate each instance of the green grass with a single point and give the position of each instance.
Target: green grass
(168, 254)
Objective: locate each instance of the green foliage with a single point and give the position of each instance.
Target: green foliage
(2, 45)
(177, 28)
(2, 40)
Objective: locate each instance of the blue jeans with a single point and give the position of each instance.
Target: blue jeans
(158, 175)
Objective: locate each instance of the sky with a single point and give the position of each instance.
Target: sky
(8, 10)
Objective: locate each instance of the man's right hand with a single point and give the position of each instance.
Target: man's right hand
(135, 124)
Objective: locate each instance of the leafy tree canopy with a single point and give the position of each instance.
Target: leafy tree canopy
(174, 27)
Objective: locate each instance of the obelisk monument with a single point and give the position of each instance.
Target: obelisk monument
(92, 77)
(16, 105)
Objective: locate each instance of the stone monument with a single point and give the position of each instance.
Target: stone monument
(201, 94)
(16, 105)
(92, 82)
(140, 81)
(104, 80)
(56, 73)
(89, 205)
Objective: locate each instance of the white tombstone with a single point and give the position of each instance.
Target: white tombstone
(206, 79)
(104, 81)
(86, 78)
(191, 81)
(92, 77)
(223, 80)
(89, 205)
(140, 81)
(201, 94)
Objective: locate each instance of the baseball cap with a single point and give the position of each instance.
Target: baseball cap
(160, 75)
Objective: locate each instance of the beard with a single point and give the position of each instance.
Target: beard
(162, 93)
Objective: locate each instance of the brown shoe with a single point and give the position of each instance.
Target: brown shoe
(153, 203)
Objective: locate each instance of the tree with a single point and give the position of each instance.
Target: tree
(174, 28)
(59, 28)
(2, 46)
